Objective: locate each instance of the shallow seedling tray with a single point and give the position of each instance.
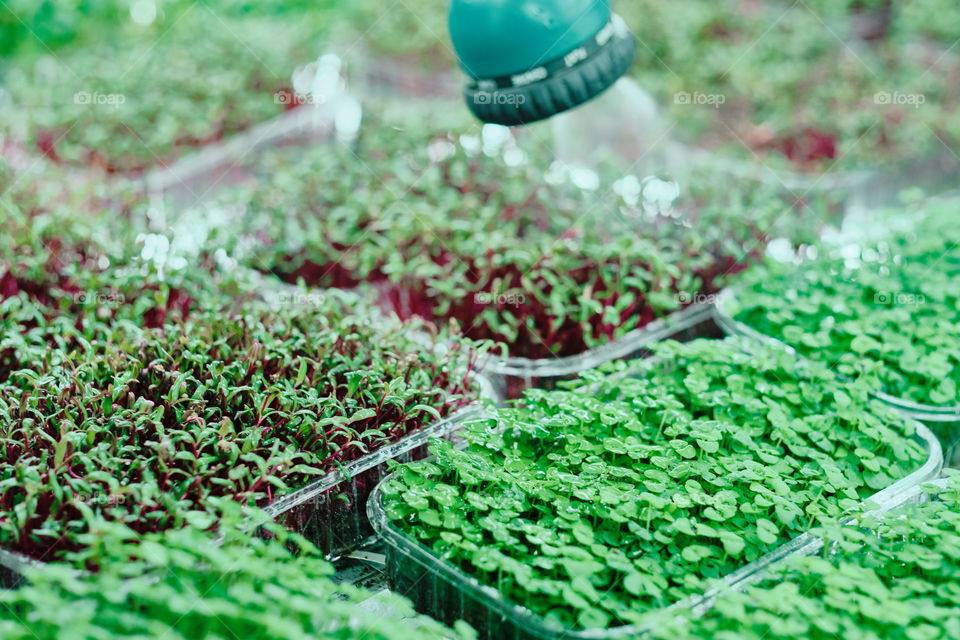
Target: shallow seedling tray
(915, 495)
(445, 592)
(854, 190)
(442, 590)
(193, 178)
(510, 376)
(810, 546)
(943, 421)
(904, 491)
(331, 511)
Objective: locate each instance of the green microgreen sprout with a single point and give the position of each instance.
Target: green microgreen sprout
(883, 311)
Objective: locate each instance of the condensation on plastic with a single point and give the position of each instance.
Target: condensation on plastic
(510, 376)
(944, 421)
(446, 593)
(331, 511)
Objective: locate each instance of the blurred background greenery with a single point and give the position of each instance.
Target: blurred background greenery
(803, 81)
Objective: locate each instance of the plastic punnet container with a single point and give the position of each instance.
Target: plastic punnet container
(846, 188)
(197, 177)
(445, 592)
(943, 421)
(12, 568)
(331, 511)
(809, 546)
(904, 491)
(510, 376)
(916, 495)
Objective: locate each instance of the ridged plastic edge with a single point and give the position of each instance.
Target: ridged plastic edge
(656, 330)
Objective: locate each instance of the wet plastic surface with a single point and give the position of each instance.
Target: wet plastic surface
(443, 591)
(943, 421)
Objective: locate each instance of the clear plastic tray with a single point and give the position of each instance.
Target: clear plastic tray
(916, 495)
(850, 190)
(381, 76)
(846, 181)
(944, 421)
(331, 511)
(12, 568)
(300, 125)
(896, 495)
(510, 376)
(446, 593)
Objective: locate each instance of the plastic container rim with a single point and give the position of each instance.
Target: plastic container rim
(403, 445)
(658, 329)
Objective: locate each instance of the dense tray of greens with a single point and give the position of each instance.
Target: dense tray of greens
(135, 388)
(188, 584)
(469, 227)
(593, 507)
(884, 311)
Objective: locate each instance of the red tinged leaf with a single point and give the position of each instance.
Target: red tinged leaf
(154, 318)
(46, 144)
(810, 146)
(8, 286)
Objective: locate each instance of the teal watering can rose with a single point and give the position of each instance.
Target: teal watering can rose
(529, 60)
